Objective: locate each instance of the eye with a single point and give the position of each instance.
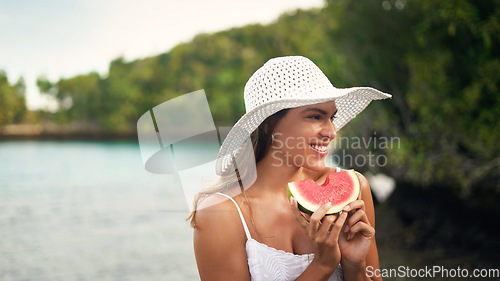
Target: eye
(333, 117)
(315, 117)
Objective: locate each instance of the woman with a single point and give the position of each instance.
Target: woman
(293, 112)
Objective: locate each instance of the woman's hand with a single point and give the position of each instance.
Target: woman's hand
(357, 234)
(324, 232)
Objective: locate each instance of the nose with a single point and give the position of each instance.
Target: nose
(329, 131)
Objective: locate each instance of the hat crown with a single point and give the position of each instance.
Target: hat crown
(285, 78)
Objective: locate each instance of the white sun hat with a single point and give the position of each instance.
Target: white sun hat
(288, 82)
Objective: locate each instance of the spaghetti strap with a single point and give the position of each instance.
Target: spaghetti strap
(247, 232)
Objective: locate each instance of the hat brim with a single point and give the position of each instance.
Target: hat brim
(349, 102)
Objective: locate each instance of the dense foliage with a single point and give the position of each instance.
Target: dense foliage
(12, 100)
(441, 62)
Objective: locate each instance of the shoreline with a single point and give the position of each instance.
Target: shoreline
(62, 132)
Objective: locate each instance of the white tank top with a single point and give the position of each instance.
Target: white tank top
(267, 263)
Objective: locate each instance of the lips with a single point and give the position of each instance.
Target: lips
(322, 149)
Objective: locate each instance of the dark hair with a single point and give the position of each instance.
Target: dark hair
(261, 141)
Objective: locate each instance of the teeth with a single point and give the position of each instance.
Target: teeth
(318, 148)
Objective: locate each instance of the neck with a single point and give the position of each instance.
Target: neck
(274, 176)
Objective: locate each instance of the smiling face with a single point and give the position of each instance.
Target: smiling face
(301, 137)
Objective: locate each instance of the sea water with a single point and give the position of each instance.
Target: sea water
(79, 210)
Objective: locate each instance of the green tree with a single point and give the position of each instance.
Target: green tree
(80, 97)
(12, 100)
(440, 60)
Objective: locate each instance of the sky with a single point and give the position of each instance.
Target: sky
(60, 39)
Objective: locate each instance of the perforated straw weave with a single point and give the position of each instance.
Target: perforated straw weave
(288, 82)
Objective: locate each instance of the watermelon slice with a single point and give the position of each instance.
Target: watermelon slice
(339, 188)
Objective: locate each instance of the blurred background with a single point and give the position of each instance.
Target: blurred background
(77, 204)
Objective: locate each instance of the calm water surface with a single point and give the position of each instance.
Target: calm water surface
(90, 211)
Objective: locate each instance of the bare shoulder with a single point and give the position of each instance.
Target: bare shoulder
(219, 242)
(218, 215)
(363, 182)
(366, 196)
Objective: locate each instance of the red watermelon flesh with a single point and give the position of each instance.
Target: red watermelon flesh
(339, 188)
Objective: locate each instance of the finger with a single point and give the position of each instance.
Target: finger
(295, 207)
(317, 216)
(299, 216)
(362, 228)
(324, 229)
(306, 216)
(359, 215)
(355, 205)
(337, 226)
(335, 216)
(297, 213)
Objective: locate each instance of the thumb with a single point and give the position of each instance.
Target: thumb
(299, 216)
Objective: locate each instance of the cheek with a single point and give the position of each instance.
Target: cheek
(295, 144)
(295, 136)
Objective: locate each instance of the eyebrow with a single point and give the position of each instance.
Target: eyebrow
(318, 110)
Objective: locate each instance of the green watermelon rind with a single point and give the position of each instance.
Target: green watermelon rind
(305, 207)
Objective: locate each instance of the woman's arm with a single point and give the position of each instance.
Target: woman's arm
(219, 244)
(372, 257)
(358, 246)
